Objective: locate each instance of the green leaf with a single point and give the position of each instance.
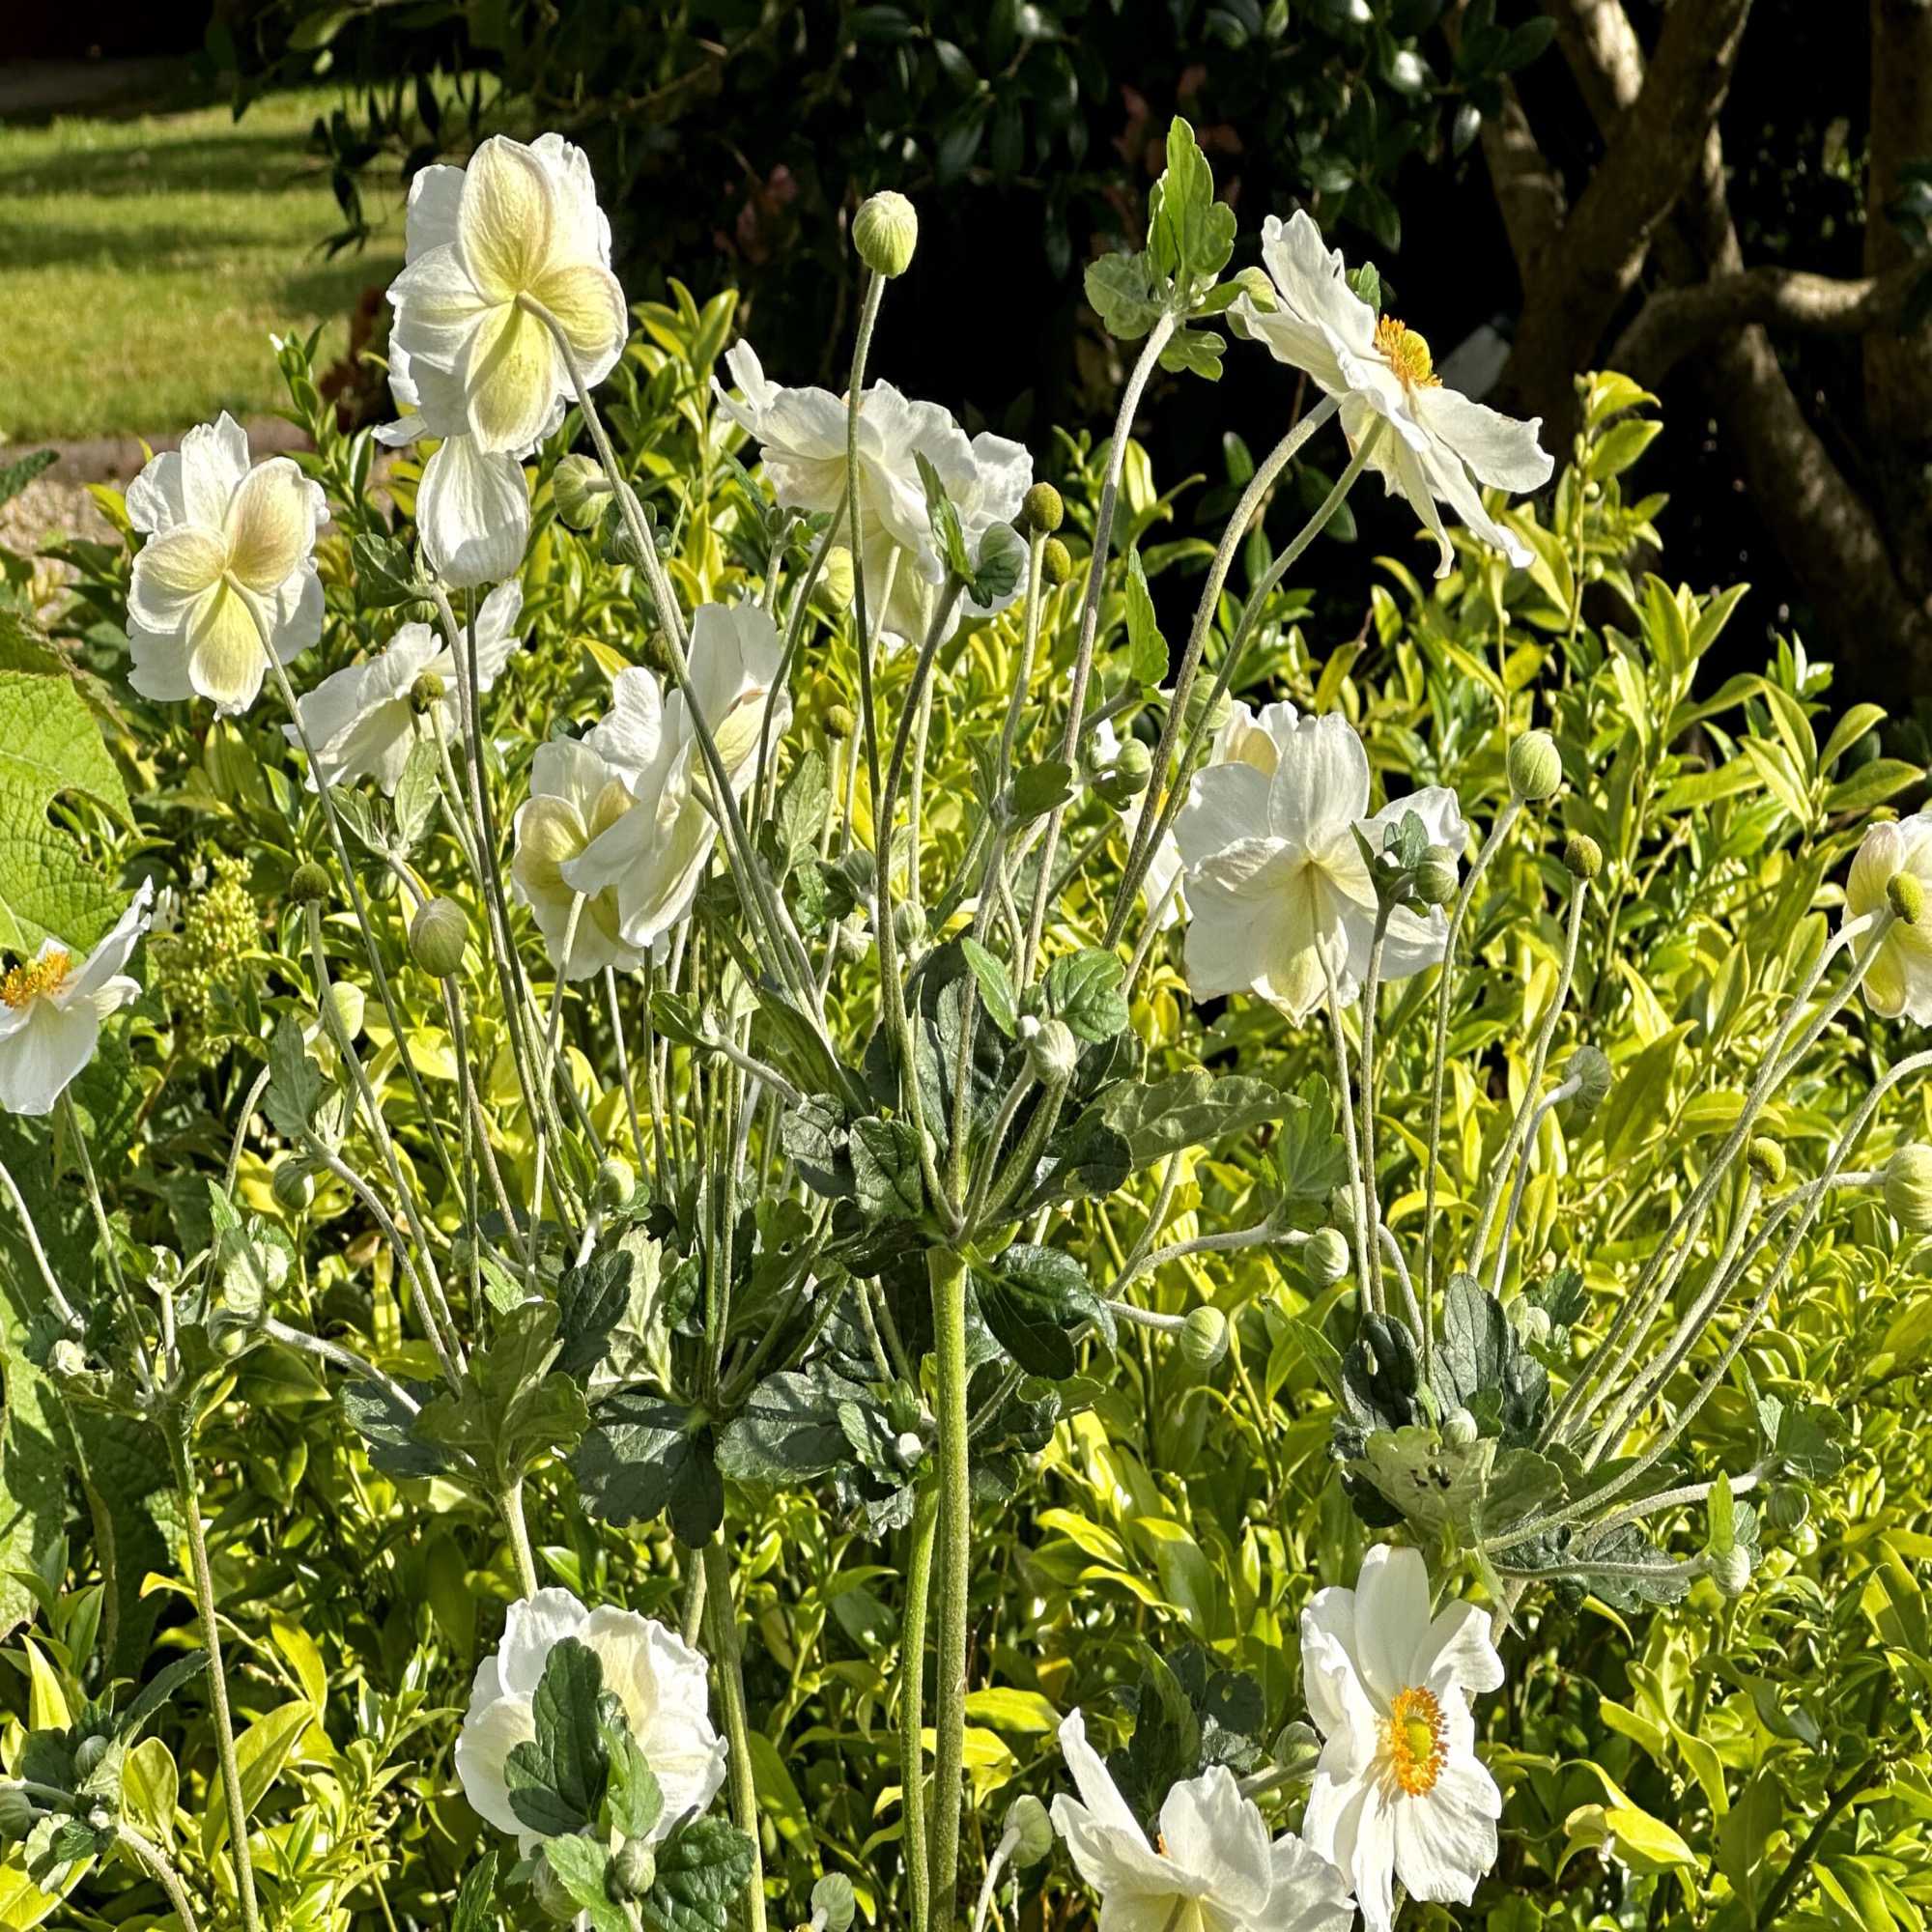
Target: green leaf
(1187, 1110)
(1196, 352)
(704, 1868)
(475, 1908)
(1035, 1300)
(50, 745)
(635, 1800)
(296, 1083)
(885, 1165)
(1190, 235)
(1308, 1152)
(642, 1457)
(511, 1407)
(1147, 648)
(386, 572)
(580, 1865)
(1084, 990)
(996, 985)
(788, 1432)
(260, 1753)
(557, 1778)
(1038, 789)
(419, 792)
(804, 807)
(944, 515)
(1002, 564)
(1723, 1517)
(1121, 290)
(14, 476)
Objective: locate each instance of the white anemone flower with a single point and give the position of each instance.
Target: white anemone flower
(575, 797)
(360, 719)
(228, 570)
(471, 361)
(1279, 896)
(652, 856)
(51, 1007)
(1214, 1869)
(655, 1675)
(1899, 978)
(801, 435)
(1438, 446)
(1399, 1791)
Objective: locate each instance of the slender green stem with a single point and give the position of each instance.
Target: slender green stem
(161, 1866)
(61, 1306)
(181, 1449)
(1372, 1207)
(105, 1229)
(510, 1505)
(946, 1273)
(737, 1725)
(912, 1701)
(1345, 1106)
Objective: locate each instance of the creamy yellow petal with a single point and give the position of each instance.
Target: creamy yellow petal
(587, 301)
(504, 223)
(270, 526)
(173, 570)
(226, 660)
(509, 376)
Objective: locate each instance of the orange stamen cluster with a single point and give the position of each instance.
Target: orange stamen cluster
(34, 977)
(1406, 352)
(1413, 1734)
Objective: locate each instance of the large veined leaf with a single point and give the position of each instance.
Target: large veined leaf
(50, 745)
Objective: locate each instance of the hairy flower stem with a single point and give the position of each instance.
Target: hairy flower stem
(1345, 1106)
(946, 1273)
(1372, 1207)
(723, 1612)
(912, 1703)
(165, 1875)
(1519, 1128)
(1566, 1091)
(551, 1036)
(510, 1506)
(180, 1433)
(1089, 620)
(1445, 982)
(1149, 833)
(66, 1310)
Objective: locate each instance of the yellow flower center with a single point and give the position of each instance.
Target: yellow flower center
(1413, 1734)
(27, 981)
(1406, 353)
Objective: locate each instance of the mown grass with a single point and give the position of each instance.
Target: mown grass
(144, 264)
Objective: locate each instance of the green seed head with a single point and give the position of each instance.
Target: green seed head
(1042, 510)
(1731, 1571)
(1459, 1429)
(1052, 1052)
(1582, 856)
(615, 1183)
(1438, 877)
(292, 1184)
(1905, 893)
(1027, 1816)
(1588, 1066)
(1056, 562)
(581, 491)
(884, 231)
(1326, 1256)
(631, 1872)
(426, 693)
(310, 883)
(1765, 1159)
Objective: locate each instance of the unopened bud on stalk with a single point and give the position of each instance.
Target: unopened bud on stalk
(1535, 767)
(1730, 1570)
(908, 926)
(1326, 1256)
(1588, 1067)
(1908, 1187)
(1042, 510)
(1786, 1506)
(89, 1752)
(346, 997)
(1026, 1817)
(1203, 1338)
(840, 722)
(1531, 1322)
(426, 693)
(1438, 877)
(616, 1182)
(1582, 856)
(1204, 703)
(1051, 1050)
(827, 695)
(884, 231)
(437, 935)
(1056, 562)
(581, 491)
(1905, 893)
(631, 1872)
(292, 1184)
(1765, 1159)
(833, 1902)
(16, 1812)
(1127, 776)
(1459, 1429)
(310, 883)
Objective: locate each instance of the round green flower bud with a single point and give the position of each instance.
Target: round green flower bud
(1042, 510)
(426, 693)
(1205, 710)
(615, 1183)
(1535, 767)
(1908, 1187)
(1787, 1506)
(1765, 1159)
(1905, 893)
(437, 935)
(1025, 1816)
(1056, 562)
(833, 1903)
(839, 723)
(1582, 856)
(1203, 1338)
(1530, 1322)
(310, 882)
(908, 926)
(1052, 1052)
(1127, 776)
(1731, 1571)
(1588, 1066)
(1438, 877)
(1326, 1257)
(16, 1812)
(1459, 1429)
(551, 1895)
(826, 693)
(346, 997)
(631, 1872)
(580, 490)
(88, 1754)
(884, 231)
(292, 1184)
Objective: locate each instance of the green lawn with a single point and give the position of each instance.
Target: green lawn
(144, 263)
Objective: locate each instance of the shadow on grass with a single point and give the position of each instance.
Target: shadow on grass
(231, 161)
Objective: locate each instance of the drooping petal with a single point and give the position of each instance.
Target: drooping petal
(532, 1627)
(472, 514)
(436, 199)
(158, 665)
(1120, 1864)
(1313, 280)
(510, 374)
(1370, 1861)
(497, 636)
(1099, 1792)
(587, 301)
(1502, 452)
(1222, 953)
(227, 659)
(630, 735)
(110, 958)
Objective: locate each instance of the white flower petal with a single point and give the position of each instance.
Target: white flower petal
(107, 959)
(1501, 451)
(1225, 803)
(532, 1627)
(41, 1056)
(1209, 1828)
(1320, 786)
(1391, 1618)
(1308, 1893)
(472, 514)
(1445, 1839)
(1456, 1653)
(1099, 1792)
(490, 1733)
